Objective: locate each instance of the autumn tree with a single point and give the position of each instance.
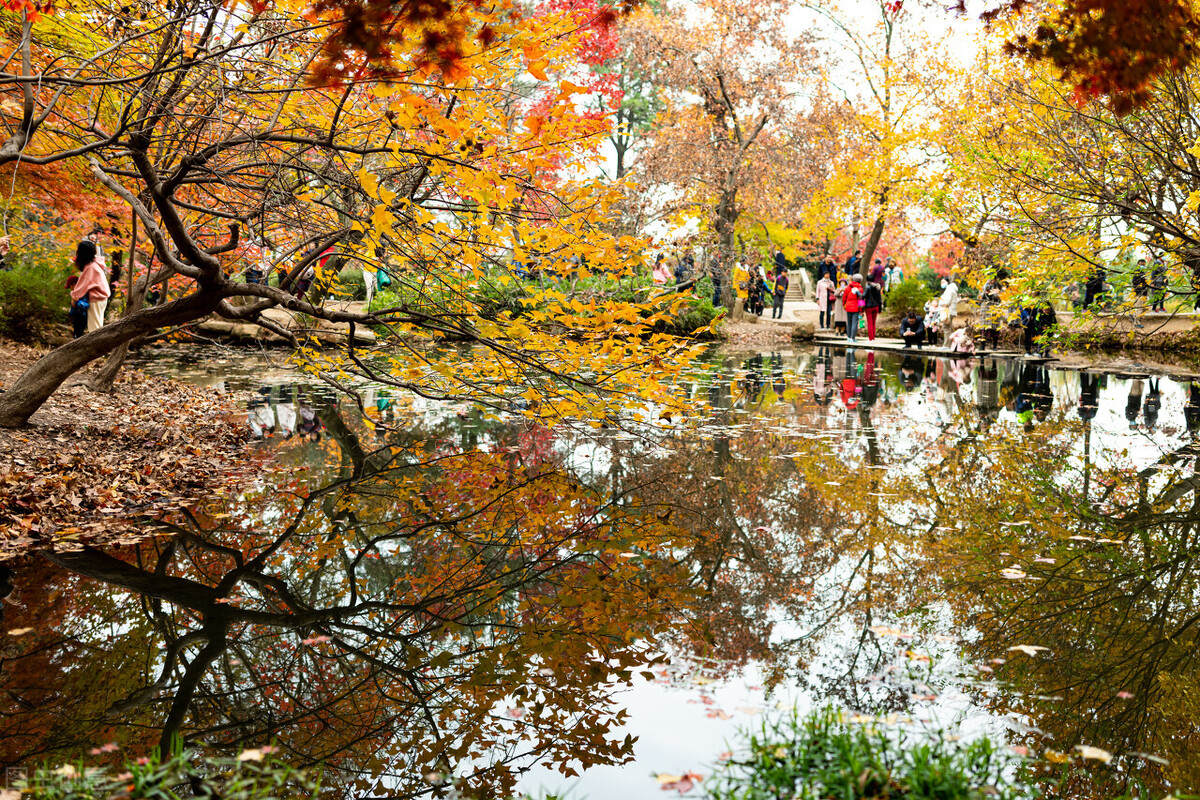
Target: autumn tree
(210, 127)
(729, 74)
(887, 74)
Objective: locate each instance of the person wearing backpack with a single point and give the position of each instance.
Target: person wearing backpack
(780, 292)
(872, 303)
(92, 284)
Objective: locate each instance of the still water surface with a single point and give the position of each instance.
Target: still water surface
(415, 592)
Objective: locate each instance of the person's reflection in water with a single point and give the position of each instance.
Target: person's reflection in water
(1043, 395)
(1026, 391)
(1134, 405)
(987, 394)
(870, 384)
(262, 418)
(1089, 396)
(1152, 405)
(1191, 409)
(308, 424)
(285, 412)
(850, 382)
(753, 381)
(910, 373)
(821, 376)
(778, 383)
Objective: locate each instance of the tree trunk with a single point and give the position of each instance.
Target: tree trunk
(725, 222)
(42, 379)
(869, 253)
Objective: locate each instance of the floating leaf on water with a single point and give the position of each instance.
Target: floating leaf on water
(1055, 757)
(883, 631)
(1094, 753)
(1013, 574)
(1125, 695)
(20, 631)
(1148, 757)
(1029, 649)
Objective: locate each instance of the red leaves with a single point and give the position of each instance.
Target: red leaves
(1112, 48)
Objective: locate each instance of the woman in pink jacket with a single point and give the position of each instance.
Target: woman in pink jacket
(92, 283)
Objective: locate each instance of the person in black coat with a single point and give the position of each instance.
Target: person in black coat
(852, 263)
(912, 329)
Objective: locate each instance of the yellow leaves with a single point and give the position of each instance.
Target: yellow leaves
(1055, 757)
(535, 61)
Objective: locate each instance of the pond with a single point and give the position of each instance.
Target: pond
(414, 593)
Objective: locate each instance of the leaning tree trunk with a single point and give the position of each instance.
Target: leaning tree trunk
(864, 266)
(42, 379)
(869, 251)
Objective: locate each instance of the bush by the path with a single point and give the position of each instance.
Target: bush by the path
(33, 297)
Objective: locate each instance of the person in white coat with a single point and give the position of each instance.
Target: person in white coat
(948, 305)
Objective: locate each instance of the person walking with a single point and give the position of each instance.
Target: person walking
(1141, 289)
(876, 273)
(839, 307)
(852, 262)
(872, 303)
(1037, 319)
(1158, 282)
(828, 267)
(1093, 288)
(852, 298)
(948, 305)
(932, 321)
(825, 289)
(779, 292)
(92, 283)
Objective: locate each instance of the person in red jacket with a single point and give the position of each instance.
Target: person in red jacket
(852, 297)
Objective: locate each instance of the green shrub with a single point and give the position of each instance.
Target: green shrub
(912, 295)
(350, 284)
(927, 276)
(822, 757)
(33, 296)
(251, 776)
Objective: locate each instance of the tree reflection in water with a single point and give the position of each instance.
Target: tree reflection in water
(452, 600)
(430, 615)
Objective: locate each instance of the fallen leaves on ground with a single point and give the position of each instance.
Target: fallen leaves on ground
(90, 465)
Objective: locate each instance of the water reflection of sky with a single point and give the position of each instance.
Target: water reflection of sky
(899, 412)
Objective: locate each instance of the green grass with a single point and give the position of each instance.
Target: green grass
(822, 757)
(251, 776)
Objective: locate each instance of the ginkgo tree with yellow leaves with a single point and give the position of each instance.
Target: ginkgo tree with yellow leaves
(891, 72)
(231, 130)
